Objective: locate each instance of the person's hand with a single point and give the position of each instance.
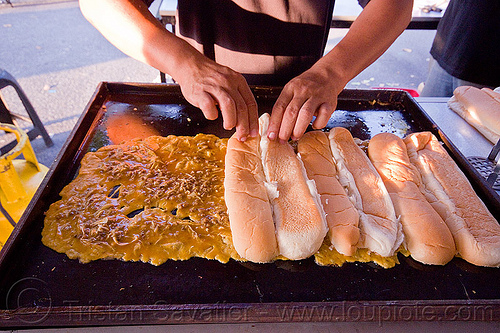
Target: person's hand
(311, 94)
(210, 86)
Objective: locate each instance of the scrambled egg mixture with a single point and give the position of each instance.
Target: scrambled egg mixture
(152, 200)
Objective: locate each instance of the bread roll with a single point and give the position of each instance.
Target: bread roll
(480, 108)
(341, 216)
(494, 94)
(299, 219)
(380, 230)
(475, 230)
(427, 237)
(249, 210)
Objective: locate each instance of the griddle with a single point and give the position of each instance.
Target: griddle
(42, 288)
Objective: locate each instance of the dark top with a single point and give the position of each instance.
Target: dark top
(269, 42)
(467, 42)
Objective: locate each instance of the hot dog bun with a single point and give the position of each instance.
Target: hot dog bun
(342, 218)
(427, 237)
(493, 93)
(380, 230)
(299, 219)
(475, 230)
(250, 215)
(480, 108)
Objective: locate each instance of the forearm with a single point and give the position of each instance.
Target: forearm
(375, 29)
(130, 26)
(314, 92)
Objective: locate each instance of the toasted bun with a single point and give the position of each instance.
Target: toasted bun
(475, 230)
(300, 222)
(480, 108)
(248, 207)
(427, 237)
(380, 230)
(494, 94)
(342, 218)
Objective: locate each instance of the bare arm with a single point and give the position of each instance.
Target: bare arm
(130, 26)
(314, 92)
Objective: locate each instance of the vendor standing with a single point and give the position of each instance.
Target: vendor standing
(465, 49)
(222, 46)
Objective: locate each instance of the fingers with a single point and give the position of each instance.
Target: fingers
(297, 116)
(308, 110)
(279, 108)
(228, 105)
(213, 88)
(238, 108)
(291, 117)
(323, 116)
(235, 114)
(252, 110)
(207, 106)
(310, 94)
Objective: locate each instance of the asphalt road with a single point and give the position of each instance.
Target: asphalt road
(59, 59)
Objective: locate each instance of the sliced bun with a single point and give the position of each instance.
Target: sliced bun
(475, 230)
(494, 94)
(342, 218)
(380, 230)
(480, 108)
(250, 215)
(427, 237)
(299, 219)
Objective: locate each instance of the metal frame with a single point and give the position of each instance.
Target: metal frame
(7, 116)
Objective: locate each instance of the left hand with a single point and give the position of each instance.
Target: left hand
(313, 93)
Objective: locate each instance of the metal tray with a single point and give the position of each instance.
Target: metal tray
(41, 288)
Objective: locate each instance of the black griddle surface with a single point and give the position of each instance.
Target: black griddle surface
(39, 287)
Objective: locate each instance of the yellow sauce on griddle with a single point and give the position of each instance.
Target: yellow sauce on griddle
(152, 200)
(327, 255)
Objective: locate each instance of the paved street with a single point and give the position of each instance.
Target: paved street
(59, 59)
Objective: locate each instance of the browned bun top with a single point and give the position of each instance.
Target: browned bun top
(247, 202)
(298, 215)
(483, 105)
(341, 215)
(446, 188)
(380, 231)
(427, 237)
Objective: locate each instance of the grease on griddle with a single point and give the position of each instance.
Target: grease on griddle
(366, 124)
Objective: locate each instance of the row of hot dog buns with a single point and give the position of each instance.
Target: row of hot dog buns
(403, 192)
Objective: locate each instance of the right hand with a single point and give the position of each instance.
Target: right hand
(206, 85)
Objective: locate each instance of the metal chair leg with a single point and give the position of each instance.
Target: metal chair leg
(39, 129)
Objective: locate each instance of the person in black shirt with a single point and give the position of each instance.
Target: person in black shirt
(223, 43)
(466, 48)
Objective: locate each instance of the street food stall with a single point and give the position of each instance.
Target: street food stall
(42, 287)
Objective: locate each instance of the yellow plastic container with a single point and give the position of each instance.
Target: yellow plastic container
(19, 180)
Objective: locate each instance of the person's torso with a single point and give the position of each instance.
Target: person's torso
(467, 42)
(269, 42)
